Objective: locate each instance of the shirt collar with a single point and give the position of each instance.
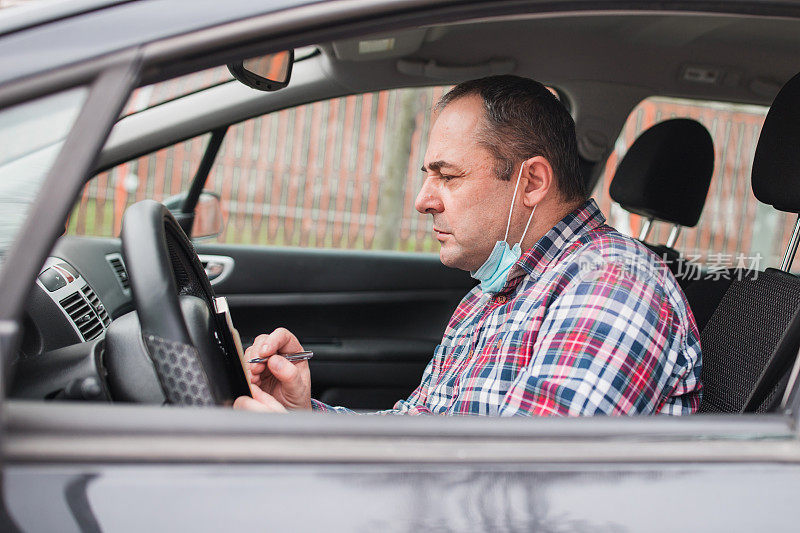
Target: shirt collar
(582, 220)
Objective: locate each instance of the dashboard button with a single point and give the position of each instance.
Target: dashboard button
(52, 280)
(69, 268)
(70, 278)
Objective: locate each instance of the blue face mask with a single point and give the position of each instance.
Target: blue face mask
(493, 273)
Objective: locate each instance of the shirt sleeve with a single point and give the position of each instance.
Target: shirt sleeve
(413, 405)
(607, 345)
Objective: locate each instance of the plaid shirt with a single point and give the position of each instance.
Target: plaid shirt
(589, 322)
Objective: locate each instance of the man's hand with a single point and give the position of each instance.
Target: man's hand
(278, 384)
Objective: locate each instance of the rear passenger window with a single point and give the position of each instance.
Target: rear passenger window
(734, 228)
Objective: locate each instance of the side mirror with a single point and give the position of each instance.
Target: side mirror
(208, 221)
(205, 221)
(265, 73)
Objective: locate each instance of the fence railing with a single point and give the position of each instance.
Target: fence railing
(344, 173)
(733, 221)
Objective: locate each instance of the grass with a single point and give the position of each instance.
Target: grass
(87, 221)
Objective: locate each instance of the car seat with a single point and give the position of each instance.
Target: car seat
(751, 340)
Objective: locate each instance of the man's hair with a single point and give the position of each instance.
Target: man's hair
(523, 119)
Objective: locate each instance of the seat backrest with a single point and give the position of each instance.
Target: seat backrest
(756, 319)
(752, 338)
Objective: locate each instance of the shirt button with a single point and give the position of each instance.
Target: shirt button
(501, 299)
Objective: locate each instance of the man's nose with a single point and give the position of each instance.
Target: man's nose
(428, 200)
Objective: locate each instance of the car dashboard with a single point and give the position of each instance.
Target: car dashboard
(80, 289)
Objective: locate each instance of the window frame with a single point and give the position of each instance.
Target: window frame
(698, 436)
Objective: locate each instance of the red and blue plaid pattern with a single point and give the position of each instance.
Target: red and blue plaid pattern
(590, 322)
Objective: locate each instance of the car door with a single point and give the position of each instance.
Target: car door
(372, 320)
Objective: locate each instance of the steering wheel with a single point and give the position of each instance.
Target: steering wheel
(177, 328)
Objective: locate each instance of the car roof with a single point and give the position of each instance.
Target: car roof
(95, 28)
(86, 29)
(35, 13)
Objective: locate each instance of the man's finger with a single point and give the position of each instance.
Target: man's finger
(272, 344)
(261, 402)
(268, 400)
(283, 370)
(257, 368)
(280, 341)
(259, 341)
(245, 403)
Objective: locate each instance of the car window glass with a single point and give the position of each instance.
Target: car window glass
(734, 228)
(340, 173)
(159, 93)
(31, 136)
(166, 91)
(159, 175)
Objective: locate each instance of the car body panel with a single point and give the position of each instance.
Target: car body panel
(592, 497)
(355, 472)
(116, 27)
(24, 16)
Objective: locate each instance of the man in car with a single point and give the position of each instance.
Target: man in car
(570, 317)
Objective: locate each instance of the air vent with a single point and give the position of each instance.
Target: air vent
(82, 315)
(96, 304)
(115, 260)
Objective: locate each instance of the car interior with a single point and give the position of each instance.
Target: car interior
(373, 317)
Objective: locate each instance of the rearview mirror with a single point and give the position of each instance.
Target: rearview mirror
(265, 73)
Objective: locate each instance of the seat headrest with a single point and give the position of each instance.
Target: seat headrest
(666, 173)
(776, 165)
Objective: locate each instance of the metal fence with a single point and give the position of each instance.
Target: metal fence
(733, 221)
(344, 173)
(339, 173)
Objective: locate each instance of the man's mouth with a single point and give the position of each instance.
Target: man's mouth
(440, 235)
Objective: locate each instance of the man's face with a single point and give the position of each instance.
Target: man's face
(468, 203)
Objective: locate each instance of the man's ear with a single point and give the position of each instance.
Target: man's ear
(539, 180)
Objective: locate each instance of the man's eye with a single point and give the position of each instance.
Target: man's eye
(446, 177)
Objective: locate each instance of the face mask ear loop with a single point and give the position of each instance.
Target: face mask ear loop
(511, 210)
(526, 226)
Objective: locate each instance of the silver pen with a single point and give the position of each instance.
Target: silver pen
(297, 356)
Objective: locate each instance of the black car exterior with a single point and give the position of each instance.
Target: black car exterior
(109, 467)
